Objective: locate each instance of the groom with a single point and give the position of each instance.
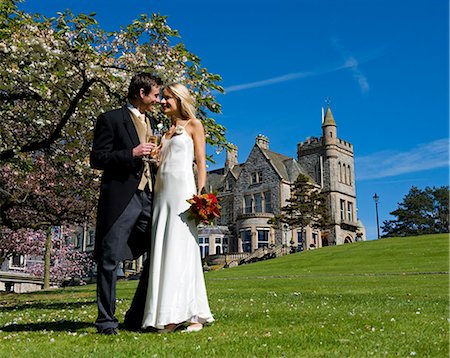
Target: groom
(125, 204)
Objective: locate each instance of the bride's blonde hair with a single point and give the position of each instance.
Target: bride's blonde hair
(187, 103)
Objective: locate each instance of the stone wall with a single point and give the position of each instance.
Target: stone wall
(270, 182)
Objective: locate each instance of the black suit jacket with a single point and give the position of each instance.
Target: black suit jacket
(114, 139)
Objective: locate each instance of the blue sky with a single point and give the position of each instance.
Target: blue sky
(383, 63)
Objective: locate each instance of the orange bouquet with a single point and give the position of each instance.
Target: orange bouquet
(204, 208)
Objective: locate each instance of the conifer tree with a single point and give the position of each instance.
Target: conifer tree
(421, 212)
(307, 206)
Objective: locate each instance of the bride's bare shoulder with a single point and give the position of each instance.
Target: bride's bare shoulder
(196, 124)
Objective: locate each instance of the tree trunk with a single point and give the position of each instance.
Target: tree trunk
(48, 248)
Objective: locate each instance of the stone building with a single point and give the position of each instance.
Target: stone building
(253, 192)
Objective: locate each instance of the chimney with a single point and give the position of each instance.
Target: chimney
(231, 158)
(262, 141)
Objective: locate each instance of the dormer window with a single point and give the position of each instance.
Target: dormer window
(256, 177)
(229, 184)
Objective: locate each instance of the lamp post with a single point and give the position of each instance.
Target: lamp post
(375, 199)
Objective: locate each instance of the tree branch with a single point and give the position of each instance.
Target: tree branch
(13, 96)
(46, 142)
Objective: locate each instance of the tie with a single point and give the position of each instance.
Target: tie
(143, 129)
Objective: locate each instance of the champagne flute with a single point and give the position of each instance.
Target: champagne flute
(155, 139)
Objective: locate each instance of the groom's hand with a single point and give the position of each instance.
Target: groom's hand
(143, 149)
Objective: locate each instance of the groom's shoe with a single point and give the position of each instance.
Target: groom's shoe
(108, 331)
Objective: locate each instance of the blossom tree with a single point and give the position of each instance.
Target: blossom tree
(20, 242)
(66, 262)
(56, 76)
(51, 194)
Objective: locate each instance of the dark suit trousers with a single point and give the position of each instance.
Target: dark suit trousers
(135, 314)
(136, 218)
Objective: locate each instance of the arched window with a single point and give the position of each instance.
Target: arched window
(318, 173)
(349, 175)
(344, 173)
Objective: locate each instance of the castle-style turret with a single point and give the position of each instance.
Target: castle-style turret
(330, 162)
(329, 132)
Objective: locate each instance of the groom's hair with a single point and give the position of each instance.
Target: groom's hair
(142, 80)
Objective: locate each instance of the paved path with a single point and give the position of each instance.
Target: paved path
(333, 275)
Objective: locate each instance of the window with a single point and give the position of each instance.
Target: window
(223, 246)
(258, 202)
(256, 177)
(263, 238)
(227, 213)
(248, 204)
(314, 238)
(91, 238)
(246, 237)
(218, 240)
(299, 241)
(78, 239)
(350, 211)
(318, 172)
(229, 184)
(17, 262)
(344, 170)
(218, 250)
(349, 175)
(340, 172)
(203, 243)
(342, 210)
(267, 202)
(223, 216)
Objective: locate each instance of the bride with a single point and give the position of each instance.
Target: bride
(176, 291)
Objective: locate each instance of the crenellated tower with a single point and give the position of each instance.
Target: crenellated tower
(330, 162)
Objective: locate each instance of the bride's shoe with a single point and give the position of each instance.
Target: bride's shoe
(170, 328)
(195, 327)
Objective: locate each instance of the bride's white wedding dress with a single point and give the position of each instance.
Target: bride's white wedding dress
(176, 291)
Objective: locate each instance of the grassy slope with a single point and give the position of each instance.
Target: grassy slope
(314, 304)
(427, 253)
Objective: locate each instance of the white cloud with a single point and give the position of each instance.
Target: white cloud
(350, 62)
(353, 64)
(287, 77)
(267, 82)
(391, 163)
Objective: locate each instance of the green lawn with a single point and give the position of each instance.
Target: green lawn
(381, 298)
